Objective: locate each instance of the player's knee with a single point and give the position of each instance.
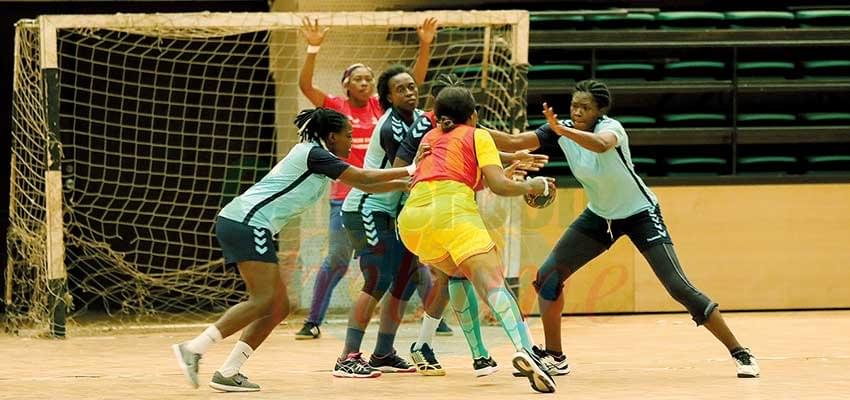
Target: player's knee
(548, 283)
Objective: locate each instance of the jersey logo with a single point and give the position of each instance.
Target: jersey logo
(371, 229)
(260, 241)
(398, 129)
(421, 128)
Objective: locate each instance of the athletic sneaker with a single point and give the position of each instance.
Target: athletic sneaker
(443, 329)
(391, 363)
(484, 366)
(532, 368)
(354, 366)
(426, 362)
(746, 363)
(188, 362)
(235, 383)
(554, 365)
(308, 331)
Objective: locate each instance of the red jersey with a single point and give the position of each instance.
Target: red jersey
(363, 121)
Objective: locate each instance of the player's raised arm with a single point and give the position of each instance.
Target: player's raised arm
(315, 35)
(426, 32)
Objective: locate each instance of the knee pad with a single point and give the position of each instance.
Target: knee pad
(377, 278)
(697, 304)
(408, 276)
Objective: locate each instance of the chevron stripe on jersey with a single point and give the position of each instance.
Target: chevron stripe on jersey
(383, 145)
(286, 191)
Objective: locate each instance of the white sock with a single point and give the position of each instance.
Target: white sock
(237, 357)
(204, 341)
(426, 331)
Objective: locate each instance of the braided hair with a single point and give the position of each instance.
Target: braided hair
(317, 124)
(598, 90)
(384, 84)
(443, 81)
(454, 105)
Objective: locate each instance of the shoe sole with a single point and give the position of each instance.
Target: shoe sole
(340, 374)
(748, 376)
(431, 371)
(234, 389)
(301, 337)
(538, 379)
(393, 370)
(518, 374)
(480, 373)
(449, 333)
(175, 348)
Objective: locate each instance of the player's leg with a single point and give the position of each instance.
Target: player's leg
(486, 272)
(259, 270)
(373, 242)
(404, 269)
(649, 232)
(584, 240)
(332, 270)
(435, 297)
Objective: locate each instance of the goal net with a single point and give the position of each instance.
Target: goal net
(131, 131)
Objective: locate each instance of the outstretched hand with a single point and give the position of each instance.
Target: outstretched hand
(550, 115)
(314, 34)
(423, 151)
(427, 31)
(530, 162)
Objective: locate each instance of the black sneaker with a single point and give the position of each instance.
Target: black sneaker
(532, 368)
(425, 360)
(354, 366)
(443, 329)
(391, 363)
(308, 331)
(746, 364)
(484, 366)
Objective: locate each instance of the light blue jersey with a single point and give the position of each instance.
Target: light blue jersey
(285, 192)
(385, 141)
(614, 190)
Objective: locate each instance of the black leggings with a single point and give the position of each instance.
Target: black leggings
(591, 235)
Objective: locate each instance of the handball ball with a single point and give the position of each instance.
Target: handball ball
(541, 201)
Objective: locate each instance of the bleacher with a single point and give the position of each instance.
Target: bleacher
(707, 93)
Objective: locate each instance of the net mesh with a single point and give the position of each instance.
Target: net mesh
(164, 119)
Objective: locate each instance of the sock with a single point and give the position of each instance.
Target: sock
(556, 354)
(384, 346)
(426, 331)
(353, 339)
(240, 353)
(507, 312)
(204, 341)
(465, 305)
(736, 350)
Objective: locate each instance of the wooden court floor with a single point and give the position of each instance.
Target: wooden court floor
(803, 355)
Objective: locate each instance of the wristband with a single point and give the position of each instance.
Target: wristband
(313, 49)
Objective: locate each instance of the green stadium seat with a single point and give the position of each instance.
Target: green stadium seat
(630, 121)
(759, 19)
(645, 166)
(555, 20)
(759, 165)
(685, 166)
(622, 21)
(695, 119)
(828, 164)
(765, 69)
(752, 119)
(625, 71)
(823, 18)
(826, 118)
(574, 72)
(695, 70)
(826, 69)
(689, 19)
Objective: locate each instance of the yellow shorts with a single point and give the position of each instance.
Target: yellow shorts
(437, 227)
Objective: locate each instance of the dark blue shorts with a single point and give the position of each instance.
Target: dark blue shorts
(241, 242)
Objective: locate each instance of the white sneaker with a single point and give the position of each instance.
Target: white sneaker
(746, 363)
(553, 367)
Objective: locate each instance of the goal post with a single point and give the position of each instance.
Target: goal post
(131, 131)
